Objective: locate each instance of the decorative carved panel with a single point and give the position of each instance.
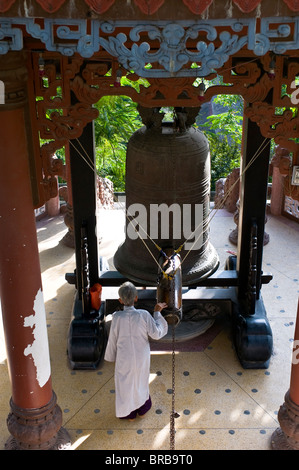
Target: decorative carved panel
(56, 76)
(100, 6)
(292, 4)
(148, 7)
(51, 5)
(170, 48)
(291, 207)
(197, 6)
(247, 5)
(5, 5)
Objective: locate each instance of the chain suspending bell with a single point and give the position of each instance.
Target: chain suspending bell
(169, 290)
(167, 210)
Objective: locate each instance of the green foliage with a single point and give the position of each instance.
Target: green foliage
(224, 131)
(118, 119)
(225, 157)
(228, 123)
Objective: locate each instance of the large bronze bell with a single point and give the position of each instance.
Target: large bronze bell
(167, 199)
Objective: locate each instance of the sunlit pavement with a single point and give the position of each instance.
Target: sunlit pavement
(221, 405)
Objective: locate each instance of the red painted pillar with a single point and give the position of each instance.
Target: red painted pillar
(35, 419)
(287, 436)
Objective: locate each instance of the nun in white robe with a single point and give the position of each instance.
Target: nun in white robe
(128, 346)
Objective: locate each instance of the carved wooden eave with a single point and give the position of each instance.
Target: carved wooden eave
(88, 81)
(84, 47)
(143, 9)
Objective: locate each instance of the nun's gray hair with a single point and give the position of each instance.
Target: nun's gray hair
(127, 292)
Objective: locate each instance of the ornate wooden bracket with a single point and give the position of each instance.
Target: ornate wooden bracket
(55, 77)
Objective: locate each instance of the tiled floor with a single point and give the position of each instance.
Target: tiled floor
(221, 405)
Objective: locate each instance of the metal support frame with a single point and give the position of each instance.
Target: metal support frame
(253, 199)
(87, 336)
(251, 330)
(84, 204)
